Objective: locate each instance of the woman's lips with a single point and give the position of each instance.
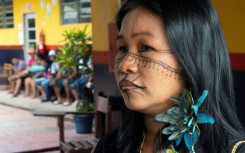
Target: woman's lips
(127, 85)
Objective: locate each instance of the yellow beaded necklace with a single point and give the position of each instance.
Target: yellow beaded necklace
(142, 143)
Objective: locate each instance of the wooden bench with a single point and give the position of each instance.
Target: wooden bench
(78, 146)
(6, 72)
(104, 116)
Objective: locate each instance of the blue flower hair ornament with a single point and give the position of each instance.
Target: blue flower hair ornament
(183, 120)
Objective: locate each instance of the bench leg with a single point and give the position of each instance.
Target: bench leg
(61, 130)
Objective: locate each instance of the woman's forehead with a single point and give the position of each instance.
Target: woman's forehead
(140, 21)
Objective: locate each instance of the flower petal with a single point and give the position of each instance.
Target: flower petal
(167, 118)
(204, 118)
(175, 135)
(202, 98)
(172, 147)
(184, 129)
(188, 140)
(195, 109)
(195, 135)
(174, 110)
(188, 97)
(183, 119)
(159, 117)
(176, 100)
(177, 141)
(190, 122)
(169, 130)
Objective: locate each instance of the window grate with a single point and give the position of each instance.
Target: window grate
(6, 14)
(75, 11)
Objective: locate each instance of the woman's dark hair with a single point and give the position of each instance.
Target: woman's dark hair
(39, 55)
(196, 38)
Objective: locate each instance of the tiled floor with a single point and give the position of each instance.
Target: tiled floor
(21, 131)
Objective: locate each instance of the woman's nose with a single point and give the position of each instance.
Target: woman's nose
(128, 64)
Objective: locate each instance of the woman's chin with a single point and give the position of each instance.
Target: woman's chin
(134, 105)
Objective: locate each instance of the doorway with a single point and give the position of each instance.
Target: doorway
(30, 33)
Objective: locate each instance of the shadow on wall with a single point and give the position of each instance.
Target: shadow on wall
(239, 83)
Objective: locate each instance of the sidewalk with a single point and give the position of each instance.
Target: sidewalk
(28, 103)
(21, 131)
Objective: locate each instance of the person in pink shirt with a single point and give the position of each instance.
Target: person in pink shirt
(31, 61)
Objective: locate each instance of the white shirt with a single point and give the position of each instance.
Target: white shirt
(54, 69)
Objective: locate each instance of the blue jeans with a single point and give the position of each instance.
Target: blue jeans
(44, 82)
(59, 83)
(78, 85)
(39, 81)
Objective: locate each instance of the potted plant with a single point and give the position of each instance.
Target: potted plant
(77, 46)
(84, 123)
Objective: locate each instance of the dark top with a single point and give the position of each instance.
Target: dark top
(107, 144)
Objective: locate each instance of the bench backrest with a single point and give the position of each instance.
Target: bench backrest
(107, 119)
(7, 70)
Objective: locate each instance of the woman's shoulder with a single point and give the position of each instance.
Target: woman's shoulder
(107, 143)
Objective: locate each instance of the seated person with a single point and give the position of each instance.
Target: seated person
(43, 83)
(31, 60)
(35, 71)
(77, 85)
(89, 89)
(59, 83)
(19, 67)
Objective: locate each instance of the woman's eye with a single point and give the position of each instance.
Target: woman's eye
(145, 48)
(123, 49)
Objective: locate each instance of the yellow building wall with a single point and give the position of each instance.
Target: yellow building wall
(103, 12)
(232, 17)
(51, 26)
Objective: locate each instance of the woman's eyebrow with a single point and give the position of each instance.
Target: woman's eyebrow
(137, 34)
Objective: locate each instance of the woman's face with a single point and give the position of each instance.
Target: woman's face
(15, 61)
(51, 58)
(32, 55)
(146, 69)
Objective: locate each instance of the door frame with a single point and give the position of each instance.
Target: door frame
(27, 40)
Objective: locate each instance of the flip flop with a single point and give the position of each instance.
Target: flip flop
(66, 104)
(56, 103)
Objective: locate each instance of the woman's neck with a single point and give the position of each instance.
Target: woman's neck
(152, 130)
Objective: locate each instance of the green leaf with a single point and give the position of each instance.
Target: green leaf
(76, 43)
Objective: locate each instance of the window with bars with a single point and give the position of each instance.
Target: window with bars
(75, 11)
(6, 14)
